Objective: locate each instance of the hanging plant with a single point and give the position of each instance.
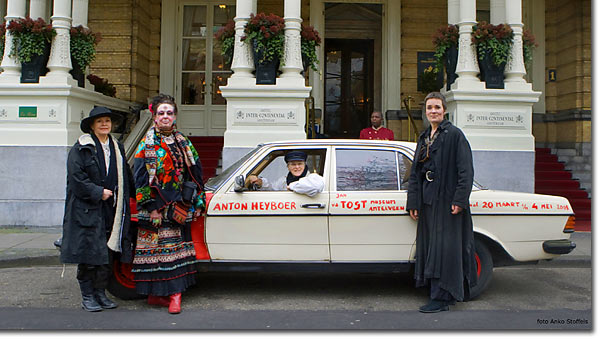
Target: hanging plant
(265, 33)
(83, 45)
(102, 85)
(309, 40)
(496, 40)
(225, 36)
(444, 38)
(2, 38)
(529, 45)
(30, 37)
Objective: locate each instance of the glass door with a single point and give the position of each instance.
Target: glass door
(201, 69)
(348, 86)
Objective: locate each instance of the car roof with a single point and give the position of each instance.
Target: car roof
(348, 142)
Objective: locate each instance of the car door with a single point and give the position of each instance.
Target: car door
(368, 220)
(270, 225)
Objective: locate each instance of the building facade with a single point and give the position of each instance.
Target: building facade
(371, 57)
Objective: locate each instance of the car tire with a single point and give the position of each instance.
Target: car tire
(121, 283)
(485, 269)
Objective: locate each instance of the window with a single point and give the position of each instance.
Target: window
(404, 166)
(273, 166)
(366, 170)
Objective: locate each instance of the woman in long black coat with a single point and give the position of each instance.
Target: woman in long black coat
(97, 214)
(438, 198)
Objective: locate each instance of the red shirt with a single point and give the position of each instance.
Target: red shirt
(380, 134)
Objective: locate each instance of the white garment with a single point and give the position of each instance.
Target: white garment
(309, 185)
(106, 149)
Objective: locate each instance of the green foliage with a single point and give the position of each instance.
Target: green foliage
(494, 39)
(529, 45)
(2, 37)
(309, 40)
(225, 36)
(30, 37)
(266, 31)
(429, 80)
(102, 85)
(83, 45)
(444, 38)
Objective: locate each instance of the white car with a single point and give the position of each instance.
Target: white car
(359, 221)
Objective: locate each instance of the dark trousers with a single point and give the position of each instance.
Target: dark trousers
(98, 274)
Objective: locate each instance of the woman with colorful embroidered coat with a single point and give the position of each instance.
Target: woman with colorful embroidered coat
(165, 165)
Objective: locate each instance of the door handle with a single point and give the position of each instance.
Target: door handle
(313, 205)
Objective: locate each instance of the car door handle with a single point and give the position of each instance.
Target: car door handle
(313, 205)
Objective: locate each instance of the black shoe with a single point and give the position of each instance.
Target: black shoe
(89, 304)
(434, 306)
(103, 300)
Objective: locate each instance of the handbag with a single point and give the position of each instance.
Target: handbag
(178, 212)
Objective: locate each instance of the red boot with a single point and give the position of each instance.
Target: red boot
(175, 305)
(158, 300)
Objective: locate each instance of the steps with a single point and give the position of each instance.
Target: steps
(209, 150)
(552, 178)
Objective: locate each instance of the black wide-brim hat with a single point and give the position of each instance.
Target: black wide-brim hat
(295, 156)
(97, 112)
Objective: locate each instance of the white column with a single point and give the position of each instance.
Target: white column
(466, 68)
(497, 12)
(292, 54)
(243, 63)
(453, 12)
(15, 9)
(37, 9)
(60, 56)
(515, 67)
(80, 13)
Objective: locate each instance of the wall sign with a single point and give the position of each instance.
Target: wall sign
(511, 120)
(27, 111)
(551, 75)
(265, 116)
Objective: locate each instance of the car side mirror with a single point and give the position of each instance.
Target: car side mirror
(238, 185)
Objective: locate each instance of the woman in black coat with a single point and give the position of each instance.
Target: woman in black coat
(440, 183)
(97, 213)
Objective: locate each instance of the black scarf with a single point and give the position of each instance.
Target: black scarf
(291, 178)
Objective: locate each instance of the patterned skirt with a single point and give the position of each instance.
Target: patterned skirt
(164, 262)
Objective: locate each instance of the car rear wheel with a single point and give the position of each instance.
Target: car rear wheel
(485, 269)
(121, 283)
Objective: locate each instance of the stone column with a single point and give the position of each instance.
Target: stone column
(466, 68)
(497, 12)
(80, 13)
(243, 63)
(453, 12)
(37, 9)
(292, 51)
(515, 67)
(15, 9)
(60, 56)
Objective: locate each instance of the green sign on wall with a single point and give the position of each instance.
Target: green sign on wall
(27, 111)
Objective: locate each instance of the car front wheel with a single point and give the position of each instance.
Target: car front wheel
(485, 269)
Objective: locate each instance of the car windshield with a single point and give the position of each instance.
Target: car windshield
(215, 183)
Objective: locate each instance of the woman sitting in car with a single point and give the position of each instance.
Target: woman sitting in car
(297, 180)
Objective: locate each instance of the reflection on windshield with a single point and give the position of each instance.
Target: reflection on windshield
(215, 183)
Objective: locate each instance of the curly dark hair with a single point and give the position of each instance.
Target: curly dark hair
(162, 99)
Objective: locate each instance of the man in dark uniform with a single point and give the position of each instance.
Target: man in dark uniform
(438, 198)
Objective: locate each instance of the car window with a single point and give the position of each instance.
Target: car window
(366, 170)
(215, 183)
(404, 166)
(273, 165)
